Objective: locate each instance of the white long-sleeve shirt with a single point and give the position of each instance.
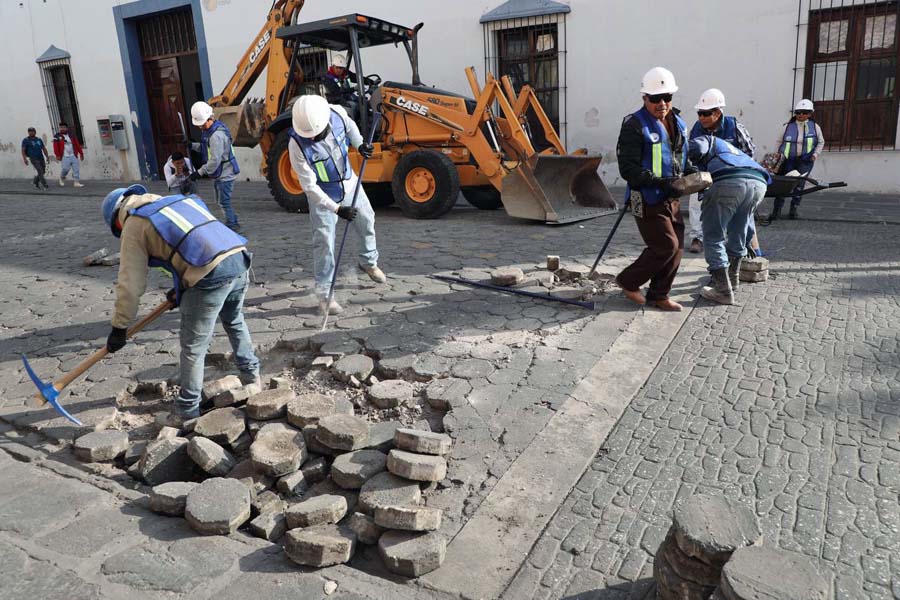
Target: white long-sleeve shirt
(173, 180)
(307, 176)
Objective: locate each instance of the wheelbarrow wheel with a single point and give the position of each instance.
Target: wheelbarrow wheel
(425, 184)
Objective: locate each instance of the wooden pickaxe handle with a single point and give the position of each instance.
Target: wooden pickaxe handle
(94, 358)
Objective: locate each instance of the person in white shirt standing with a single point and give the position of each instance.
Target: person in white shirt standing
(178, 171)
(320, 141)
(800, 144)
(68, 150)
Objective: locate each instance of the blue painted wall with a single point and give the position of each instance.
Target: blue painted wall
(126, 16)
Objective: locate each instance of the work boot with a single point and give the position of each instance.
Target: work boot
(634, 295)
(252, 383)
(793, 213)
(734, 271)
(696, 246)
(668, 305)
(720, 290)
(374, 273)
(774, 215)
(333, 309)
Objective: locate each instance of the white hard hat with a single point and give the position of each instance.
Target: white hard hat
(201, 112)
(310, 115)
(804, 104)
(658, 80)
(339, 60)
(710, 99)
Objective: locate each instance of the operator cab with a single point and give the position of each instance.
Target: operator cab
(348, 34)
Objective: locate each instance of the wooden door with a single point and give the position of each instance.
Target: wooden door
(166, 101)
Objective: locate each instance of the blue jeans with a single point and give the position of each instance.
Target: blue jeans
(223, 197)
(324, 224)
(199, 309)
(727, 208)
(804, 167)
(70, 162)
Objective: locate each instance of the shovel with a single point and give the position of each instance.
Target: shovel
(49, 392)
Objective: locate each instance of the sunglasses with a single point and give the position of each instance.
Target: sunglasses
(657, 98)
(705, 113)
(802, 112)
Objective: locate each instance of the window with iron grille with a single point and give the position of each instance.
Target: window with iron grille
(167, 34)
(851, 73)
(531, 51)
(59, 92)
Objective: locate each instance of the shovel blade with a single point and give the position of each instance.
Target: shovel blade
(557, 189)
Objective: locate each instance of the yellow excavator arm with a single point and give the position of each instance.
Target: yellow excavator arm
(266, 52)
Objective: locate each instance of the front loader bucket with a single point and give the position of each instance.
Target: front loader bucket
(556, 189)
(246, 122)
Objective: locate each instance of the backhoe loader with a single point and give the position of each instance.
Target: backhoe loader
(430, 145)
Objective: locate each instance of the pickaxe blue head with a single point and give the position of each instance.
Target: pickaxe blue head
(49, 392)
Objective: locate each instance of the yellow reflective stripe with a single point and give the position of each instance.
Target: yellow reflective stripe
(657, 160)
(193, 204)
(179, 221)
(320, 169)
(787, 149)
(809, 144)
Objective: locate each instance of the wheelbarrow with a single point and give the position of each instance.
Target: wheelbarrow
(782, 186)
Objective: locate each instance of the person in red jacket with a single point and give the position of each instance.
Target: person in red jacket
(68, 151)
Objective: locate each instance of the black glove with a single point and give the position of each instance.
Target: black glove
(347, 212)
(665, 184)
(194, 176)
(116, 339)
(366, 150)
(171, 297)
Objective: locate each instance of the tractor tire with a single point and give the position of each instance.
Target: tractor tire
(283, 184)
(425, 184)
(483, 197)
(379, 194)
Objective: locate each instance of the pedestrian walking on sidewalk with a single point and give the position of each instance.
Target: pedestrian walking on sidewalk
(712, 121)
(652, 153)
(801, 143)
(34, 150)
(68, 152)
(221, 165)
(320, 142)
(208, 263)
(739, 184)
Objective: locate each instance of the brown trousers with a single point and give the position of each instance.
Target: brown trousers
(662, 229)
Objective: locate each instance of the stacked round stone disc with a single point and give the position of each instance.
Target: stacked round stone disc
(706, 530)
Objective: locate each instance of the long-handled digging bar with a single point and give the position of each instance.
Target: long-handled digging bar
(609, 238)
(337, 261)
(48, 393)
(488, 286)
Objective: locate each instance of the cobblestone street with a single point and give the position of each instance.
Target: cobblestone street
(789, 401)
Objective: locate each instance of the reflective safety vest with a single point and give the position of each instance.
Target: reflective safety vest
(319, 157)
(721, 157)
(658, 157)
(792, 146)
(204, 148)
(727, 130)
(186, 224)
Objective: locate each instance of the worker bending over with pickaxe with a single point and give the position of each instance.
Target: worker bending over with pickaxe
(208, 263)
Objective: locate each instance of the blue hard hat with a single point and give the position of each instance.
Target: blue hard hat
(113, 201)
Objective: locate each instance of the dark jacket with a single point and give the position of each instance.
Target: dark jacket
(338, 88)
(630, 153)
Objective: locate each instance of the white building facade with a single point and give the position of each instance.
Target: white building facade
(108, 66)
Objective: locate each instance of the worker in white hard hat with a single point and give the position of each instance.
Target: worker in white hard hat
(711, 120)
(221, 166)
(320, 142)
(340, 82)
(800, 144)
(652, 153)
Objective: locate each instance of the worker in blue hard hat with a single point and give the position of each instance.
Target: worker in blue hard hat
(208, 263)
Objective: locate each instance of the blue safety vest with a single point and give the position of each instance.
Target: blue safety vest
(204, 148)
(721, 157)
(186, 224)
(317, 155)
(792, 146)
(727, 130)
(658, 157)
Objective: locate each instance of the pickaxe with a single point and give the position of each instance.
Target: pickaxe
(49, 392)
